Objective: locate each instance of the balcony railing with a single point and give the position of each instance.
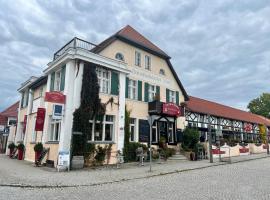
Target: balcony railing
(75, 43)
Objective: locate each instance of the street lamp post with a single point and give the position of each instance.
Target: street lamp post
(150, 146)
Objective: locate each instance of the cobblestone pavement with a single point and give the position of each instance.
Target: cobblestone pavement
(243, 180)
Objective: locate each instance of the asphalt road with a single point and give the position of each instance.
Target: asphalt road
(245, 180)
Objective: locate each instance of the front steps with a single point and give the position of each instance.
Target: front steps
(178, 156)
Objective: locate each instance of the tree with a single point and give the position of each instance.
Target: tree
(260, 105)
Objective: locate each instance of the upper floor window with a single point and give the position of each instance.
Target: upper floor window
(119, 56)
(172, 96)
(147, 62)
(137, 58)
(57, 80)
(162, 72)
(132, 89)
(151, 92)
(103, 76)
(24, 101)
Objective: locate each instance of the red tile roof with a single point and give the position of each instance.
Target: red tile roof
(198, 105)
(3, 120)
(11, 111)
(131, 34)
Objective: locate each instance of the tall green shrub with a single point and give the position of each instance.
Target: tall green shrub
(127, 135)
(90, 107)
(191, 137)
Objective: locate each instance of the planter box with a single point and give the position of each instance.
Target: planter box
(257, 149)
(77, 162)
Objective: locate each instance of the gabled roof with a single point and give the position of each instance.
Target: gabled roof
(40, 81)
(11, 111)
(133, 37)
(198, 105)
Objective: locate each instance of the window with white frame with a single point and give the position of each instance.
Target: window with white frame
(154, 132)
(102, 132)
(103, 76)
(119, 56)
(132, 89)
(172, 96)
(55, 129)
(162, 72)
(137, 58)
(170, 132)
(57, 80)
(132, 129)
(147, 62)
(151, 92)
(34, 133)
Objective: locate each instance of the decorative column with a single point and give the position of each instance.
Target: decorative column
(121, 112)
(44, 136)
(29, 111)
(18, 129)
(66, 124)
(78, 84)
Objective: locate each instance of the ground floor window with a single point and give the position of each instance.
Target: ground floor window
(55, 129)
(170, 132)
(34, 133)
(132, 129)
(101, 129)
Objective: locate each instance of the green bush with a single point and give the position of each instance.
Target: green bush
(38, 147)
(11, 145)
(130, 151)
(190, 139)
(20, 146)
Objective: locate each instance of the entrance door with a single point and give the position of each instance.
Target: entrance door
(163, 130)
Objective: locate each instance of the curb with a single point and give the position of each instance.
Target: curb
(127, 179)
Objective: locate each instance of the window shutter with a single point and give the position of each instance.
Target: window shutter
(167, 95)
(114, 84)
(146, 92)
(52, 81)
(127, 80)
(139, 90)
(63, 74)
(177, 97)
(158, 92)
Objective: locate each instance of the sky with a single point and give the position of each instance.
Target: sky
(219, 48)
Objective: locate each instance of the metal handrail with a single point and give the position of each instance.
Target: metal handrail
(74, 43)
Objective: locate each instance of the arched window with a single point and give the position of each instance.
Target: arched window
(162, 72)
(119, 56)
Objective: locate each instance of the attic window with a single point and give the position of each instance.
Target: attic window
(119, 56)
(162, 72)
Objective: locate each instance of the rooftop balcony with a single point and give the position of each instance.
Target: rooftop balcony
(75, 43)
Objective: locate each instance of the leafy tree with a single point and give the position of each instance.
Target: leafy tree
(260, 105)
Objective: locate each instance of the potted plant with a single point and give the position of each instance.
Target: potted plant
(20, 148)
(11, 148)
(38, 148)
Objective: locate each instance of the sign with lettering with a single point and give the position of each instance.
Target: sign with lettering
(24, 123)
(171, 109)
(55, 97)
(57, 111)
(40, 119)
(64, 159)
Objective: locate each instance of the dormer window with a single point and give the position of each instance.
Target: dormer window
(119, 56)
(162, 72)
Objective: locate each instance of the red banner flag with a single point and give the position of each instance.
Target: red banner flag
(40, 119)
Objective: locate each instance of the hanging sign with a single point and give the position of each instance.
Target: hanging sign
(55, 97)
(247, 127)
(171, 109)
(40, 119)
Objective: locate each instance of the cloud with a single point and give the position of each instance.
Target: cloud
(220, 49)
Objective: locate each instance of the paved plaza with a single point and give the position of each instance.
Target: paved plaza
(171, 180)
